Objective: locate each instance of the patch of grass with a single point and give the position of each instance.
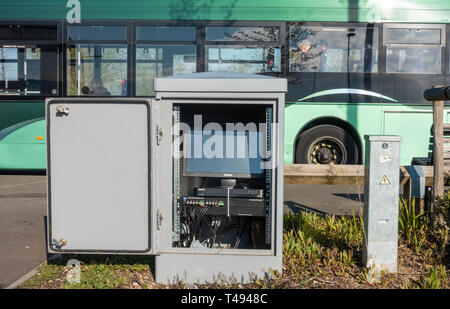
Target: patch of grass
(46, 272)
(430, 243)
(435, 278)
(110, 271)
(412, 224)
(309, 232)
(315, 246)
(97, 272)
(98, 276)
(345, 232)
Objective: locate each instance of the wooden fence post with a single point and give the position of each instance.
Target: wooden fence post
(438, 159)
(438, 149)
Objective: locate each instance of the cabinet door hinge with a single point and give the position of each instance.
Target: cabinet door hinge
(159, 135)
(159, 219)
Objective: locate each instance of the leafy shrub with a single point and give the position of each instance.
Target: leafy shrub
(412, 224)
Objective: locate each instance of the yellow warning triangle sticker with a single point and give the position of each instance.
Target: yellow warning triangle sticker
(385, 181)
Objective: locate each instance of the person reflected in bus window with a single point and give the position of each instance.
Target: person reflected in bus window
(85, 90)
(307, 58)
(124, 88)
(97, 88)
(270, 67)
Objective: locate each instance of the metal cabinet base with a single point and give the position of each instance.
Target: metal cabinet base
(208, 268)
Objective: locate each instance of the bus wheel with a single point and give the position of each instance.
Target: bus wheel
(326, 144)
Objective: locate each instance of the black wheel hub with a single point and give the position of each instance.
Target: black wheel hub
(327, 152)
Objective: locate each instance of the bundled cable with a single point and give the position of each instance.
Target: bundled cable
(241, 228)
(194, 218)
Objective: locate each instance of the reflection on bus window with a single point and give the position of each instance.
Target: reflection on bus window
(8, 67)
(413, 50)
(20, 70)
(245, 59)
(162, 60)
(414, 60)
(165, 33)
(339, 49)
(96, 70)
(96, 33)
(243, 34)
(28, 32)
(413, 36)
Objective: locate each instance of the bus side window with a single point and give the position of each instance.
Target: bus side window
(97, 69)
(253, 54)
(333, 49)
(29, 66)
(413, 50)
(163, 51)
(156, 60)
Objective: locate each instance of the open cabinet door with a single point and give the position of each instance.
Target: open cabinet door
(99, 175)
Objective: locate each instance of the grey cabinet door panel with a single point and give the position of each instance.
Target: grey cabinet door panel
(98, 173)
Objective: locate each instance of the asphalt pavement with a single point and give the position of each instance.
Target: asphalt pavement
(23, 217)
(22, 225)
(339, 200)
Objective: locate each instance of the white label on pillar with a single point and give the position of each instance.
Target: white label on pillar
(386, 158)
(385, 181)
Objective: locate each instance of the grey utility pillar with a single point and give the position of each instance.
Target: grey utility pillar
(381, 195)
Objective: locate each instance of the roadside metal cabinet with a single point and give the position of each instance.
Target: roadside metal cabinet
(193, 176)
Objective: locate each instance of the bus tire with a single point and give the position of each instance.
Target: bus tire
(326, 144)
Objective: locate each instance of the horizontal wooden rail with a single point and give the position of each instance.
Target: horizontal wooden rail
(323, 174)
(342, 174)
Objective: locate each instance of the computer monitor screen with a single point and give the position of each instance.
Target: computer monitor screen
(233, 153)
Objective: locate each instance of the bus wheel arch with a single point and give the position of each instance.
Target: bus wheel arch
(340, 133)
